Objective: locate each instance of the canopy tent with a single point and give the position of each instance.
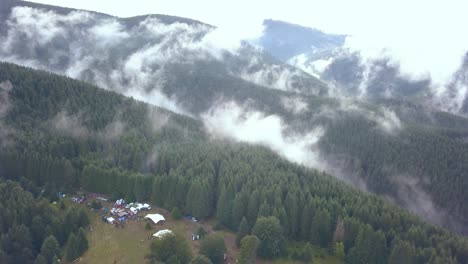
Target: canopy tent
(162, 233)
(156, 218)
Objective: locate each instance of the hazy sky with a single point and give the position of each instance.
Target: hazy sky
(340, 16)
(425, 35)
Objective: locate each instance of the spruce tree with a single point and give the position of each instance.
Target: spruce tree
(402, 252)
(82, 241)
(339, 251)
(307, 253)
(50, 248)
(243, 230)
(72, 250)
(223, 208)
(176, 214)
(292, 214)
(198, 200)
(321, 228)
(253, 207)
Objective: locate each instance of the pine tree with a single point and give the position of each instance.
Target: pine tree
(253, 207)
(292, 214)
(198, 200)
(223, 209)
(176, 214)
(72, 250)
(83, 219)
(370, 247)
(306, 218)
(82, 241)
(352, 227)
(140, 189)
(18, 242)
(339, 251)
(265, 210)
(321, 228)
(50, 248)
(238, 209)
(157, 196)
(402, 252)
(243, 230)
(307, 253)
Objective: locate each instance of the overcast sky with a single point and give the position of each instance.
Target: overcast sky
(425, 35)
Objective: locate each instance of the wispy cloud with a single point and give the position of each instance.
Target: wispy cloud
(235, 122)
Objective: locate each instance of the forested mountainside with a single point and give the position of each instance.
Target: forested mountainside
(63, 134)
(32, 229)
(403, 150)
(125, 48)
(351, 73)
(378, 78)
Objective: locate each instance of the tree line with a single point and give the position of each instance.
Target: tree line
(34, 231)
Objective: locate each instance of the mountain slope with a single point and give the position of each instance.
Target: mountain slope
(285, 40)
(136, 53)
(454, 97)
(388, 146)
(70, 134)
(306, 48)
(351, 74)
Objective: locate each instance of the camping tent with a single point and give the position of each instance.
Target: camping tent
(110, 219)
(162, 233)
(155, 217)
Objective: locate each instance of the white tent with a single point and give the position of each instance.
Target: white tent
(162, 233)
(155, 217)
(110, 219)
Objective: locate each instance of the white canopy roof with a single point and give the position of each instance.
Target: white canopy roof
(162, 233)
(155, 217)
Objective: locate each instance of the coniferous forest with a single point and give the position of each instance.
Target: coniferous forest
(60, 135)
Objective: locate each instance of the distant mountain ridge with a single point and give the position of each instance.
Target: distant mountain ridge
(7, 5)
(350, 75)
(285, 40)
